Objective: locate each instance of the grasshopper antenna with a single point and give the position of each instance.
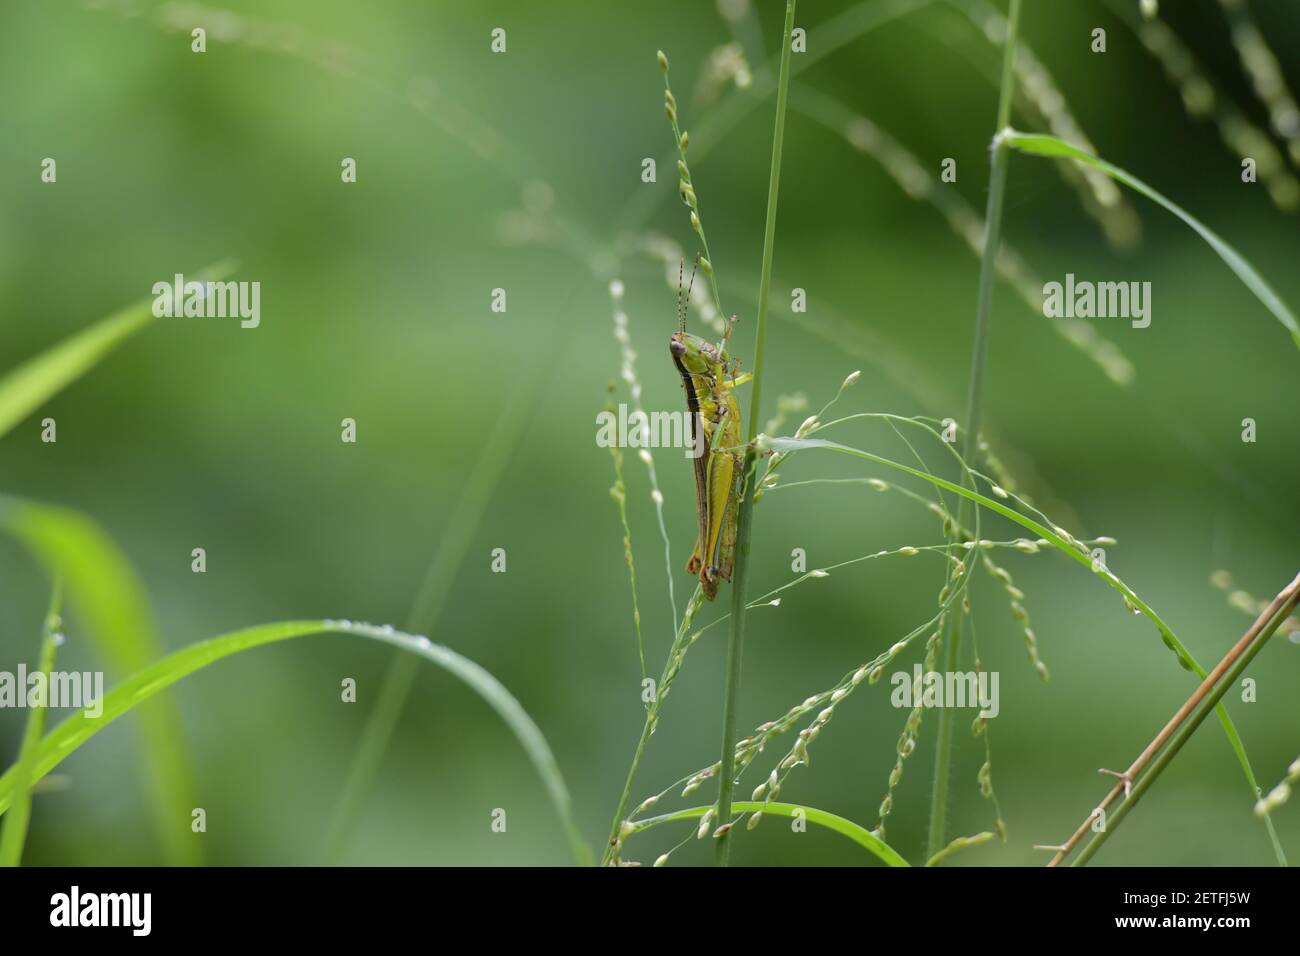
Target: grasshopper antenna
(681, 308)
(686, 302)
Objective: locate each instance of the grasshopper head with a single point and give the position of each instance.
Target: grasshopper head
(694, 354)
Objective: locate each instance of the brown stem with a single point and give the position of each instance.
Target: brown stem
(1212, 678)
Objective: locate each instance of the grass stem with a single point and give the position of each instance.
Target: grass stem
(681, 643)
(1205, 700)
(974, 408)
(426, 610)
(14, 837)
(745, 516)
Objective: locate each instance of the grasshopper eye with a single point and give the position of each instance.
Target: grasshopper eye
(676, 347)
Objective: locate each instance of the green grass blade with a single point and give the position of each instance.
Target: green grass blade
(426, 611)
(859, 835)
(1035, 144)
(157, 677)
(787, 445)
(25, 388)
(101, 582)
(110, 600)
(15, 829)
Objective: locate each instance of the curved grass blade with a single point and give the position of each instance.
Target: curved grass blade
(475, 497)
(140, 687)
(108, 597)
(1035, 144)
(25, 388)
(14, 837)
(845, 827)
(1284, 605)
(1056, 538)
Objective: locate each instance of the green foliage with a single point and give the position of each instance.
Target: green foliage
(150, 681)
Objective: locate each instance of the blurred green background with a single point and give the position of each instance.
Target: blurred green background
(375, 306)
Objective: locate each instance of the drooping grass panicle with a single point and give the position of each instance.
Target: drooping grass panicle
(747, 749)
(686, 184)
(280, 37)
(1038, 95)
(1204, 98)
(918, 183)
(1281, 793)
(912, 725)
(618, 491)
(957, 844)
(1068, 544)
(980, 728)
(682, 642)
(1261, 65)
(726, 66)
(825, 38)
(1248, 604)
(629, 375)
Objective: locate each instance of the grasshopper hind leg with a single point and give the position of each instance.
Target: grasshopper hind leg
(724, 558)
(696, 562)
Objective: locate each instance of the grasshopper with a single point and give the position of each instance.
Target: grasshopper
(716, 440)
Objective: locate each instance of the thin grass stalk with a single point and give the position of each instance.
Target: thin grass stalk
(14, 837)
(425, 612)
(1290, 597)
(681, 643)
(974, 407)
(1210, 681)
(745, 515)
